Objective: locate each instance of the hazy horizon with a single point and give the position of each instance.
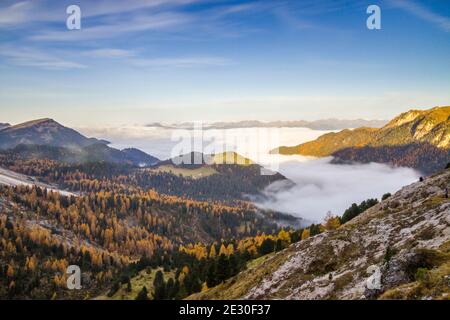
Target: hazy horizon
(169, 124)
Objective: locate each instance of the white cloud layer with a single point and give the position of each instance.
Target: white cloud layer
(322, 187)
(249, 142)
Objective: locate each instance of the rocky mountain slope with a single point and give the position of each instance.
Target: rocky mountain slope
(428, 126)
(404, 241)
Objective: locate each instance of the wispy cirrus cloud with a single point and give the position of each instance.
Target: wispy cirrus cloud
(132, 58)
(182, 62)
(153, 22)
(38, 58)
(30, 57)
(112, 7)
(16, 14)
(109, 53)
(255, 6)
(107, 19)
(113, 19)
(423, 13)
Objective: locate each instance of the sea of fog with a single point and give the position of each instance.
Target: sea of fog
(254, 143)
(320, 187)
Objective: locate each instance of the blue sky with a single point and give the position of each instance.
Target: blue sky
(139, 61)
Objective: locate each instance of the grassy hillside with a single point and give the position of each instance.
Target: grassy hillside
(428, 126)
(406, 236)
(194, 173)
(431, 283)
(144, 278)
(236, 287)
(231, 158)
(328, 143)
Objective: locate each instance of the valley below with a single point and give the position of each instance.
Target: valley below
(232, 222)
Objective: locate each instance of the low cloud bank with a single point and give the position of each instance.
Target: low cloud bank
(159, 143)
(322, 187)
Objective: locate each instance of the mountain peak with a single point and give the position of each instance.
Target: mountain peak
(43, 131)
(403, 118)
(432, 116)
(430, 125)
(32, 123)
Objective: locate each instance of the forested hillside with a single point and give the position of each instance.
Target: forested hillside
(228, 182)
(104, 229)
(422, 156)
(408, 135)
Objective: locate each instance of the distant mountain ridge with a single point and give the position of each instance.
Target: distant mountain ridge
(47, 139)
(324, 124)
(416, 127)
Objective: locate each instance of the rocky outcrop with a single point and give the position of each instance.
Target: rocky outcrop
(371, 255)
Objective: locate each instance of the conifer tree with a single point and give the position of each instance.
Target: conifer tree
(211, 275)
(267, 246)
(170, 289)
(143, 294)
(222, 268)
(233, 265)
(159, 286)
